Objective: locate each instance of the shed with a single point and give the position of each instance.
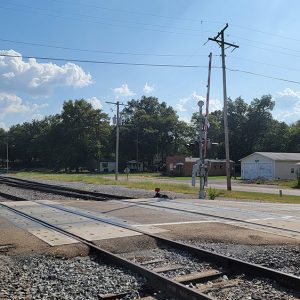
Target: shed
(269, 165)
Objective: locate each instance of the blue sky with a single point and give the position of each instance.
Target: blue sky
(145, 31)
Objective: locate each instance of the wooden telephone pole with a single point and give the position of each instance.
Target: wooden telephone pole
(219, 38)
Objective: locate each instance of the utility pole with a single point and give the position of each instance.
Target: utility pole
(207, 106)
(117, 135)
(201, 161)
(7, 154)
(219, 38)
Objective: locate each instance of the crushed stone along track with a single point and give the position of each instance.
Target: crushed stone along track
(207, 273)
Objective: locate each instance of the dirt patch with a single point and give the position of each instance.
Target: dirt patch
(220, 232)
(127, 244)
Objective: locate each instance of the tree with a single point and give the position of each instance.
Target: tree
(84, 133)
(151, 131)
(294, 138)
(238, 131)
(259, 119)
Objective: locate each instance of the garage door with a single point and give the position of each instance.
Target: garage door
(252, 170)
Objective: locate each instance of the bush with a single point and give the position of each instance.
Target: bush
(212, 193)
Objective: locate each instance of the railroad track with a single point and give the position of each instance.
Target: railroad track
(174, 287)
(77, 193)
(59, 190)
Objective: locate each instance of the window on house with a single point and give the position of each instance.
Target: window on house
(292, 170)
(104, 165)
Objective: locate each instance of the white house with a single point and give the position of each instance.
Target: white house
(269, 165)
(107, 166)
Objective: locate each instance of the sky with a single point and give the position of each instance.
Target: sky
(74, 46)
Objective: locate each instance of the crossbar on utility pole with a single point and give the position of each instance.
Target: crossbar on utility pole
(219, 39)
(117, 136)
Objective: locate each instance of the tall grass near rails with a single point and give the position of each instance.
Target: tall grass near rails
(163, 185)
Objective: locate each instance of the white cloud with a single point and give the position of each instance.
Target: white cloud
(215, 104)
(96, 103)
(197, 97)
(12, 104)
(287, 105)
(148, 88)
(3, 126)
(289, 93)
(185, 107)
(180, 105)
(17, 75)
(37, 117)
(123, 90)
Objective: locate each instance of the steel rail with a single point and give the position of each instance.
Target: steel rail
(157, 281)
(61, 190)
(125, 199)
(222, 260)
(235, 265)
(12, 197)
(248, 268)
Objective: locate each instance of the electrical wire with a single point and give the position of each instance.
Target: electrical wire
(263, 75)
(262, 63)
(104, 62)
(98, 51)
(105, 23)
(263, 43)
(172, 18)
(147, 65)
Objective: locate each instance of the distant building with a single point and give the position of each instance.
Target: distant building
(134, 166)
(269, 165)
(180, 165)
(107, 166)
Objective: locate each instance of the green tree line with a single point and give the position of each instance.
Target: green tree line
(81, 136)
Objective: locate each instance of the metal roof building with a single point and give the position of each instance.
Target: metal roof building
(269, 165)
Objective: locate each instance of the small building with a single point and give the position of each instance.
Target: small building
(180, 165)
(135, 166)
(269, 165)
(107, 166)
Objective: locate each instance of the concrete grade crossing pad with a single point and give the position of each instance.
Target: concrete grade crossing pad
(278, 219)
(81, 226)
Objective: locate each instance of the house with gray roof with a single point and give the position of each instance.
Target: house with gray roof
(269, 165)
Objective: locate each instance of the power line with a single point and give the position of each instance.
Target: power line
(270, 50)
(98, 51)
(105, 62)
(156, 25)
(103, 23)
(263, 75)
(263, 63)
(142, 54)
(264, 32)
(145, 64)
(266, 44)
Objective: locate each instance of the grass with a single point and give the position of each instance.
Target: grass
(165, 186)
(159, 176)
(291, 183)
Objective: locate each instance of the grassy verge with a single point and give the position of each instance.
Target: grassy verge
(165, 187)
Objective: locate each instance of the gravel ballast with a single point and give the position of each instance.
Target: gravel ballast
(239, 286)
(282, 258)
(42, 277)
